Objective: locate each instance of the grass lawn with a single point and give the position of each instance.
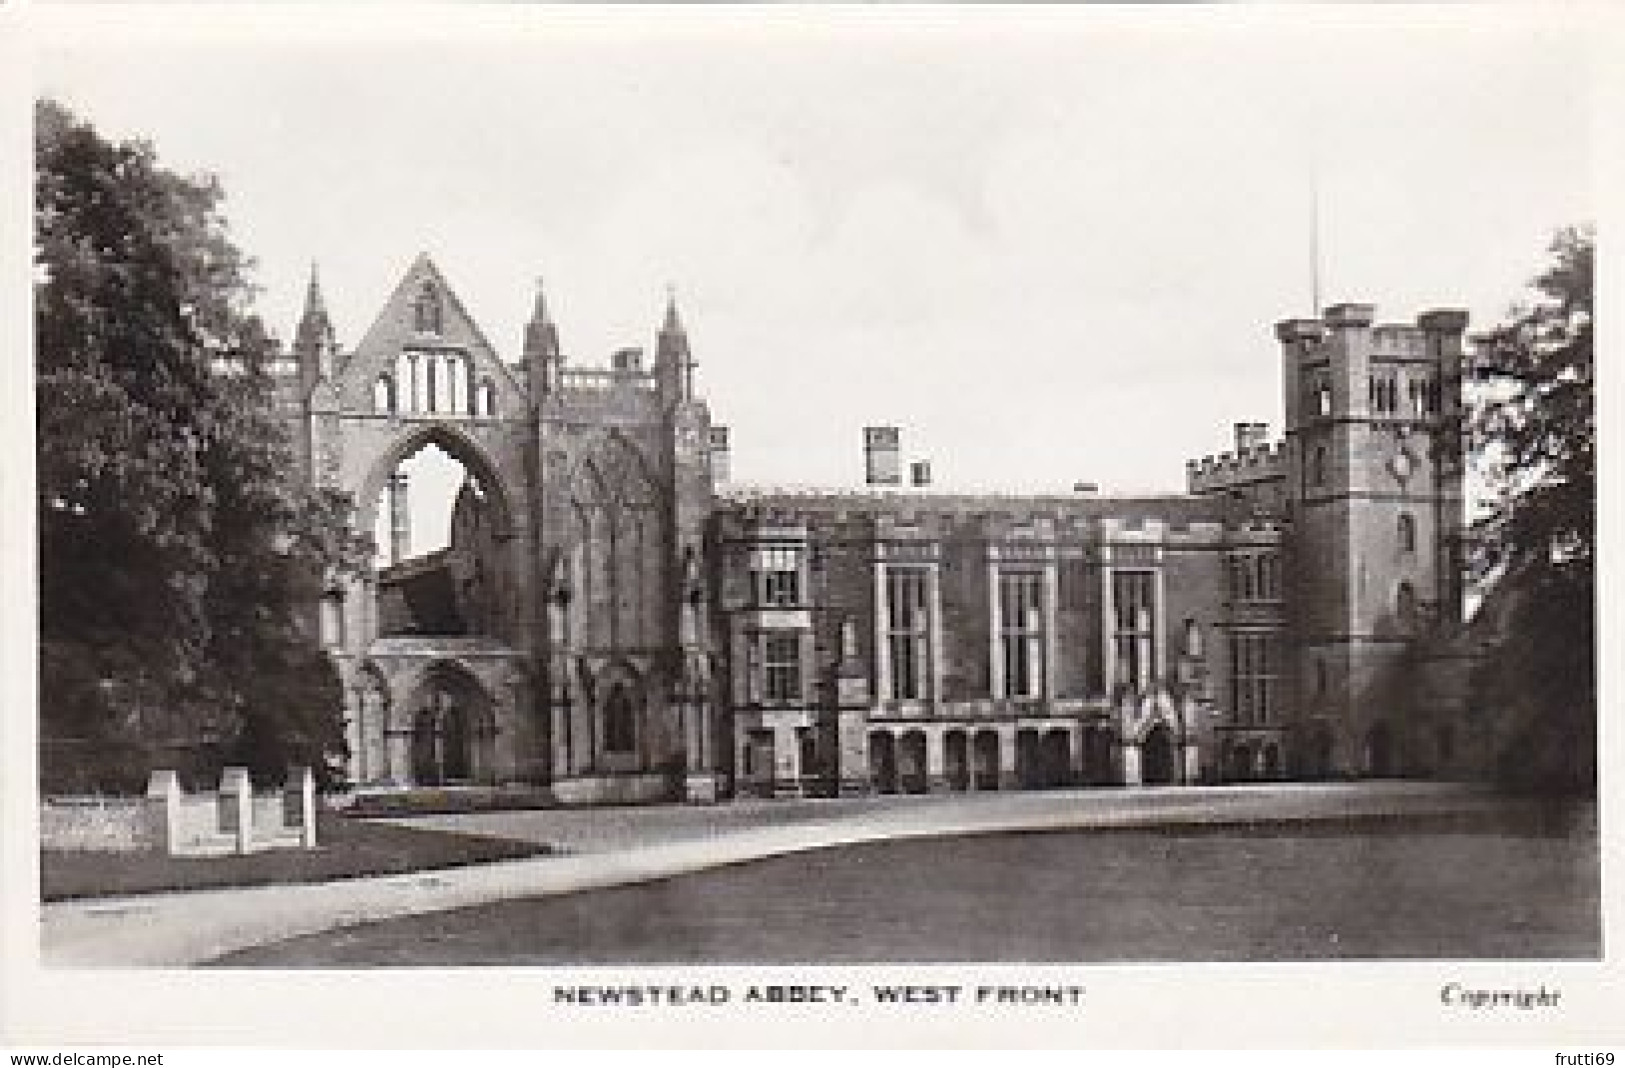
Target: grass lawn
(348, 848)
(1515, 883)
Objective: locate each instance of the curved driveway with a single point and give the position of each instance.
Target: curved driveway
(611, 847)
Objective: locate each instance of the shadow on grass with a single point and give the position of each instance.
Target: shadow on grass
(348, 849)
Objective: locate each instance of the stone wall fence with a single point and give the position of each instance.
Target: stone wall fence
(230, 820)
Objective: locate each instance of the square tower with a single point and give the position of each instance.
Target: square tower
(1374, 483)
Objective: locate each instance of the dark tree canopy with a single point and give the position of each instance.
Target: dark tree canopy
(178, 553)
(1538, 425)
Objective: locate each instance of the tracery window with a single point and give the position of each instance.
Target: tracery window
(427, 313)
(1021, 632)
(908, 631)
(1134, 618)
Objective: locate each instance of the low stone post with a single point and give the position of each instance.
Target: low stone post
(163, 810)
(1193, 764)
(1131, 764)
(301, 797)
(237, 806)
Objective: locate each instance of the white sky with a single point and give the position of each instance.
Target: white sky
(1050, 245)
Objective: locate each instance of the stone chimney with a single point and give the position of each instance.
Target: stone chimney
(1251, 435)
(882, 461)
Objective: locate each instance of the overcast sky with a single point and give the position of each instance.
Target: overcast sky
(1050, 245)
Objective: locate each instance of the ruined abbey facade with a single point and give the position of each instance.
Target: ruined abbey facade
(615, 620)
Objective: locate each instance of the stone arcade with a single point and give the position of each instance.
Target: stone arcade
(614, 620)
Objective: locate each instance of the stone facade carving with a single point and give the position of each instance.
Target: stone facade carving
(611, 625)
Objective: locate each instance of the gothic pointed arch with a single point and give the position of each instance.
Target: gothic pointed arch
(616, 548)
(457, 444)
(450, 715)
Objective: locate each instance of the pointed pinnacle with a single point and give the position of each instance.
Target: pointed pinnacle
(673, 325)
(314, 304)
(539, 312)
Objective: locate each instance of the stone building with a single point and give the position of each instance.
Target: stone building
(615, 619)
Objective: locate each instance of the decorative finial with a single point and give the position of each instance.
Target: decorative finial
(672, 325)
(314, 305)
(539, 312)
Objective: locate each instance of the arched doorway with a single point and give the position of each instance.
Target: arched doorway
(1379, 750)
(956, 760)
(451, 729)
(911, 771)
(1028, 761)
(1157, 765)
(1097, 757)
(1056, 758)
(985, 761)
(883, 761)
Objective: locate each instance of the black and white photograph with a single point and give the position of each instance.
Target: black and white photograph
(879, 524)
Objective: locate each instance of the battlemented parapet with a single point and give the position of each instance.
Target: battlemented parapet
(1235, 470)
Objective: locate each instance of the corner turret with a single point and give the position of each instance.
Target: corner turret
(674, 363)
(314, 345)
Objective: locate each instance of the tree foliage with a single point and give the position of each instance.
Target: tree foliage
(178, 552)
(1538, 423)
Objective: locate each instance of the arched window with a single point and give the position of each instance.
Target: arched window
(1317, 468)
(383, 394)
(456, 386)
(1322, 681)
(1323, 400)
(488, 398)
(426, 313)
(1407, 533)
(1193, 639)
(620, 722)
(1405, 603)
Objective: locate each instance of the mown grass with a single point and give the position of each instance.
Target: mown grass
(348, 848)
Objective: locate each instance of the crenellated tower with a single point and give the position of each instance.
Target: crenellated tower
(1374, 489)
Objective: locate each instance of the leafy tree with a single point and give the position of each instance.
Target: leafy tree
(178, 553)
(1538, 422)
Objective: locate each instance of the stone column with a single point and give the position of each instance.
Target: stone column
(236, 803)
(934, 631)
(355, 737)
(854, 753)
(163, 811)
(301, 789)
(1108, 637)
(936, 760)
(1193, 764)
(1130, 756)
(1007, 758)
(882, 652)
(1048, 643)
(400, 518)
(995, 624)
